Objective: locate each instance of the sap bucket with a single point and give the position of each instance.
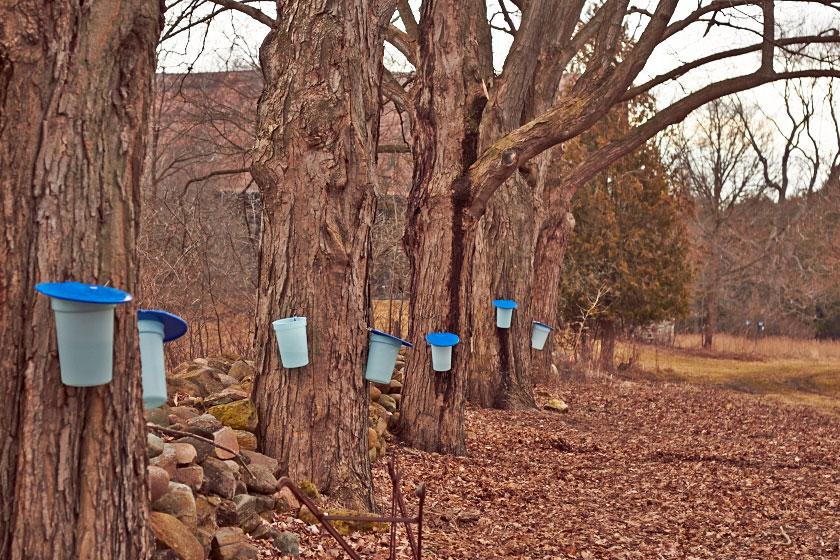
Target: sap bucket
(539, 335)
(155, 328)
(442, 344)
(504, 312)
(291, 339)
(84, 326)
(382, 356)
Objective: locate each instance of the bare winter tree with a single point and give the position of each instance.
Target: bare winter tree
(75, 90)
(753, 179)
(717, 167)
(201, 211)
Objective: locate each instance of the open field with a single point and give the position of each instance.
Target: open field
(778, 368)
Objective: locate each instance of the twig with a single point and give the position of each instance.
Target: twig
(785, 535)
(169, 431)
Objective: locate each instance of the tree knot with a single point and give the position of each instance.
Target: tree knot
(509, 157)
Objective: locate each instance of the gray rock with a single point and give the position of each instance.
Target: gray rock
(205, 381)
(262, 481)
(154, 445)
(229, 395)
(246, 507)
(158, 482)
(287, 543)
(388, 403)
(226, 514)
(264, 503)
(178, 502)
(207, 423)
(218, 478)
(185, 453)
(240, 369)
(246, 440)
(159, 416)
(395, 387)
(203, 449)
(184, 412)
(230, 543)
(259, 459)
(251, 524)
(192, 476)
(166, 460)
(265, 532)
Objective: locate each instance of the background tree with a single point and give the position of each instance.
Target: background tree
(719, 171)
(630, 242)
(75, 88)
(201, 211)
(761, 235)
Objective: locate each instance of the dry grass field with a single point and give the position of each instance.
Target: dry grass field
(793, 371)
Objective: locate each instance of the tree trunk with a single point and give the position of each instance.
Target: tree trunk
(440, 235)
(505, 265)
(709, 320)
(315, 165)
(75, 88)
(548, 266)
(499, 367)
(606, 359)
(710, 300)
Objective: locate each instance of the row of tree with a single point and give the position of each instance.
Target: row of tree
(483, 220)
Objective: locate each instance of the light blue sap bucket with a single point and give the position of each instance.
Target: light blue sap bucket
(291, 339)
(539, 335)
(442, 344)
(84, 326)
(504, 312)
(382, 356)
(156, 327)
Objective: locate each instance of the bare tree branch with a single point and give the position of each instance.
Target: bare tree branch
(403, 43)
(215, 173)
(250, 11)
(407, 17)
(685, 68)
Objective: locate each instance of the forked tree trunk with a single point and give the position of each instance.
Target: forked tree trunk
(315, 165)
(440, 236)
(75, 87)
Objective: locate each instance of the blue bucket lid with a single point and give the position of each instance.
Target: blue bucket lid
(392, 337)
(504, 303)
(85, 293)
(173, 326)
(442, 339)
(543, 325)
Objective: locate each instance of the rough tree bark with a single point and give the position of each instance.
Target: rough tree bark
(314, 162)
(75, 88)
(513, 259)
(548, 265)
(448, 99)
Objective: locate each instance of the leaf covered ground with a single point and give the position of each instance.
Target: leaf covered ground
(633, 470)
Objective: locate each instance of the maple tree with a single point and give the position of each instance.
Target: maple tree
(75, 92)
